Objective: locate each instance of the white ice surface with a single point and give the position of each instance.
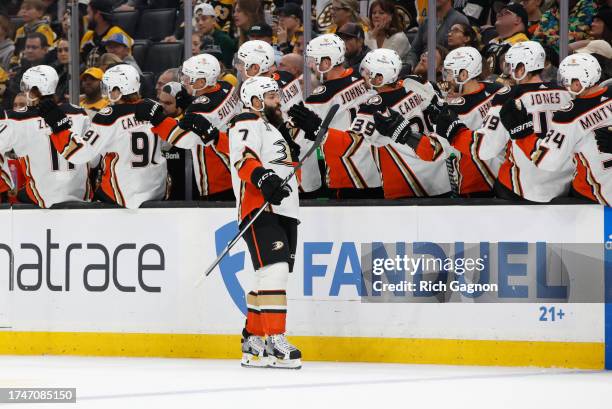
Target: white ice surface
(193, 383)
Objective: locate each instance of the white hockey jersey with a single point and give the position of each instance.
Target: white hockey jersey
(403, 172)
(134, 169)
(6, 182)
(571, 136)
(518, 173)
(254, 143)
(49, 178)
(349, 162)
(291, 94)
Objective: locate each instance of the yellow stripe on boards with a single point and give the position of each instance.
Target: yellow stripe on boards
(583, 355)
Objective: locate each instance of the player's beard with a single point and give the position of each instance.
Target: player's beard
(273, 115)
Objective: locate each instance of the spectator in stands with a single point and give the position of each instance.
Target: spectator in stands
(32, 12)
(119, 44)
(92, 100)
(206, 24)
(165, 77)
(290, 22)
(580, 17)
(511, 26)
(50, 9)
(534, 14)
(20, 102)
(196, 43)
(601, 29)
(61, 66)
(36, 48)
(353, 37)
(7, 46)
(246, 14)
(4, 80)
(345, 11)
(293, 63)
(462, 35)
(99, 15)
(209, 47)
(108, 60)
(447, 17)
(386, 29)
(263, 32)
(298, 48)
(421, 68)
(66, 22)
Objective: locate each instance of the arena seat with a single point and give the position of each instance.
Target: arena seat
(161, 56)
(139, 51)
(147, 85)
(156, 24)
(127, 20)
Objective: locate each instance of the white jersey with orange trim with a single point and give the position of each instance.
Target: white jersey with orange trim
(50, 179)
(474, 174)
(211, 163)
(517, 172)
(134, 169)
(349, 161)
(571, 136)
(6, 182)
(254, 142)
(291, 94)
(403, 172)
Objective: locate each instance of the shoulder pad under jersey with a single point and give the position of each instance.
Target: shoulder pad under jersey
(283, 78)
(211, 101)
(579, 106)
(22, 114)
(109, 114)
(244, 116)
(329, 89)
(72, 109)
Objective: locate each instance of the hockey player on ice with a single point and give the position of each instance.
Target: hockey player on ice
(260, 159)
(134, 170)
(579, 133)
(256, 58)
(49, 178)
(349, 164)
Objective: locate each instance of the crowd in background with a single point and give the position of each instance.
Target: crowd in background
(32, 33)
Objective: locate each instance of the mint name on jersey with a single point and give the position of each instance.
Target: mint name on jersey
(592, 119)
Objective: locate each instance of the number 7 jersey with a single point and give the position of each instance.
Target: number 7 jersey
(134, 170)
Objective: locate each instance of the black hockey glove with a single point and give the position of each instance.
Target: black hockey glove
(306, 120)
(53, 115)
(396, 127)
(149, 110)
(183, 99)
(293, 146)
(434, 109)
(448, 124)
(201, 126)
(603, 136)
(269, 183)
(517, 121)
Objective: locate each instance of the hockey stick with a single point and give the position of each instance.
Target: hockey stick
(319, 138)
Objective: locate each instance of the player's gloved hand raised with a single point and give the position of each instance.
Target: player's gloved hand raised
(306, 120)
(270, 185)
(396, 127)
(448, 124)
(434, 109)
(53, 115)
(183, 99)
(149, 110)
(517, 121)
(201, 126)
(603, 136)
